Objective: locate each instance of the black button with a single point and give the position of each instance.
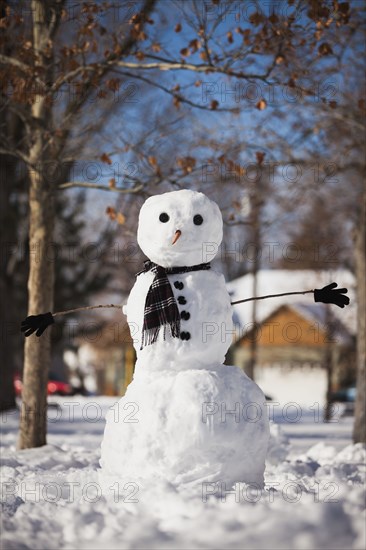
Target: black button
(179, 285)
(185, 315)
(182, 300)
(185, 335)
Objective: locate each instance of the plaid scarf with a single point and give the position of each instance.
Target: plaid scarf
(161, 309)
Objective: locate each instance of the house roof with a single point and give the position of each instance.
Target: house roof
(320, 315)
(316, 315)
(275, 281)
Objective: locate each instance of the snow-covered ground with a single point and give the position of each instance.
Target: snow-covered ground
(314, 495)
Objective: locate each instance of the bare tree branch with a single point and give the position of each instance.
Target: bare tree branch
(179, 97)
(69, 185)
(56, 18)
(26, 69)
(75, 105)
(183, 66)
(15, 153)
(163, 65)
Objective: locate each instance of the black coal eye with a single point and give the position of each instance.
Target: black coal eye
(197, 220)
(164, 217)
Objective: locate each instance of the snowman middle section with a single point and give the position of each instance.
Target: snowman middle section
(206, 327)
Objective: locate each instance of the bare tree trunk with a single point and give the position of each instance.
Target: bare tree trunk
(250, 370)
(328, 364)
(7, 237)
(7, 394)
(359, 429)
(256, 205)
(37, 353)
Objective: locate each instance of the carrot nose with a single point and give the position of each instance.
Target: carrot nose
(177, 234)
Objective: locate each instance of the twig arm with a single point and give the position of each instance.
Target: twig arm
(270, 296)
(39, 323)
(58, 313)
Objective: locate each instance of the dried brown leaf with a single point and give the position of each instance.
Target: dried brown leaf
(262, 104)
(186, 164)
(260, 157)
(121, 219)
(325, 49)
(106, 158)
(256, 18)
(195, 45)
(113, 84)
(273, 18)
(111, 213)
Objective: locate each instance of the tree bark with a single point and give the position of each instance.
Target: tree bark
(37, 352)
(359, 429)
(7, 394)
(7, 238)
(256, 200)
(328, 364)
(250, 370)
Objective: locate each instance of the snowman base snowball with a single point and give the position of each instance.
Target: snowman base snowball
(188, 426)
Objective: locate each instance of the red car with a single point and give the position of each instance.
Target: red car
(54, 387)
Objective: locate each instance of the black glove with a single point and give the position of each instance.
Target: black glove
(37, 323)
(328, 295)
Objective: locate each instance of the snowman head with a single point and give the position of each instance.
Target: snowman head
(181, 228)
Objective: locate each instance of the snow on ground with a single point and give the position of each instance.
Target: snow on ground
(313, 497)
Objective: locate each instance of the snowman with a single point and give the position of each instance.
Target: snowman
(186, 417)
